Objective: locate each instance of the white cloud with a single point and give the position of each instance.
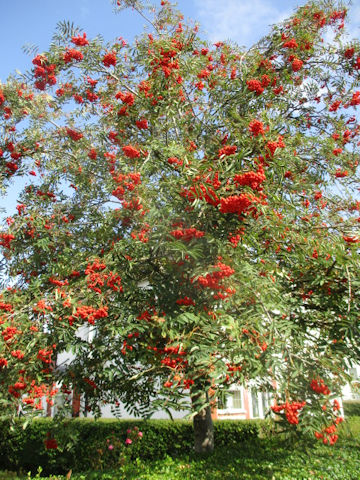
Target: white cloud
(244, 21)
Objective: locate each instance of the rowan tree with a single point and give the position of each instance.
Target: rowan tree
(197, 206)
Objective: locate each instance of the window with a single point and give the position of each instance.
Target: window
(232, 400)
(255, 403)
(260, 403)
(237, 399)
(265, 399)
(222, 401)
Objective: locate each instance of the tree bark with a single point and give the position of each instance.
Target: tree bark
(204, 431)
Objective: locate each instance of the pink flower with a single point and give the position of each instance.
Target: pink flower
(140, 434)
(111, 447)
(128, 441)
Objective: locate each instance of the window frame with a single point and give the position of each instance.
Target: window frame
(229, 409)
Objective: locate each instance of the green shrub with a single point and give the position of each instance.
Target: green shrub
(351, 408)
(83, 444)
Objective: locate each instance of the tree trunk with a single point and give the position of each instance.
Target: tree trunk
(204, 431)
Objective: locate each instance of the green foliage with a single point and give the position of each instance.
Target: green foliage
(265, 459)
(225, 180)
(84, 443)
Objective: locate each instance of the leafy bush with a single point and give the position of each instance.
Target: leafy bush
(351, 408)
(83, 444)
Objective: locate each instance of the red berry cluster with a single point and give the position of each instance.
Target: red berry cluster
(43, 71)
(97, 280)
(251, 179)
(109, 59)
(319, 387)
(185, 301)
(74, 135)
(328, 434)
(186, 234)
(291, 411)
(72, 54)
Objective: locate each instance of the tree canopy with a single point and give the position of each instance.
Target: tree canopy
(196, 205)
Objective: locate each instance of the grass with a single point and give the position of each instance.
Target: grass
(273, 459)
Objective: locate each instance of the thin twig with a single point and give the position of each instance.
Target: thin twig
(349, 281)
(145, 18)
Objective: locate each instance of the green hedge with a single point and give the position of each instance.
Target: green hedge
(351, 408)
(82, 443)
